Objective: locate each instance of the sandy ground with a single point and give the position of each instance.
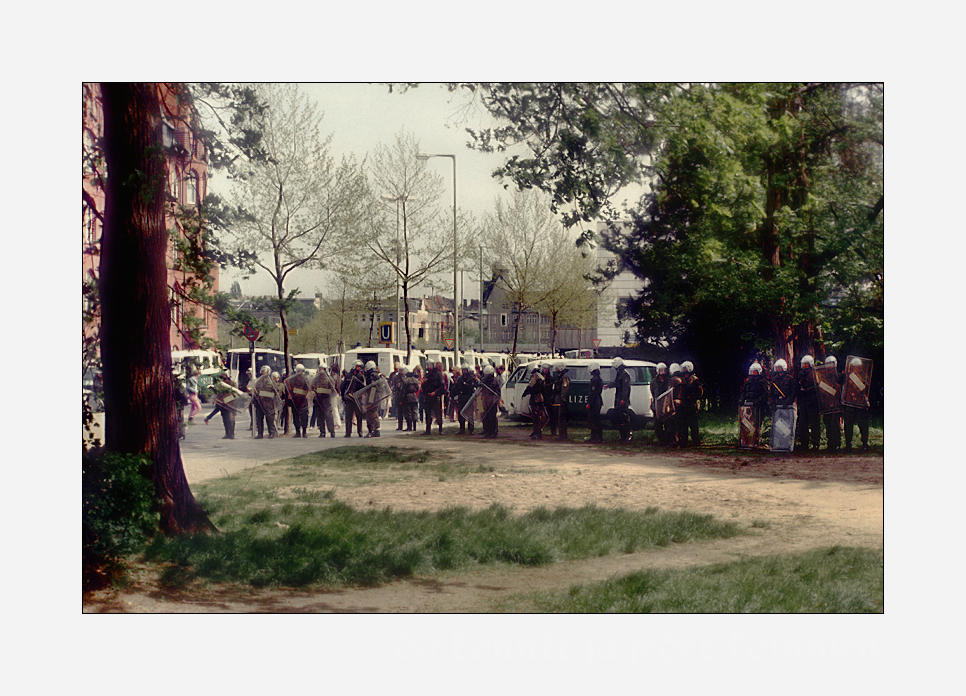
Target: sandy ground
(787, 503)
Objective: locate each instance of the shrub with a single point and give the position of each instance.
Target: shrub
(119, 513)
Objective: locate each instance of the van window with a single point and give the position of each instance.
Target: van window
(640, 374)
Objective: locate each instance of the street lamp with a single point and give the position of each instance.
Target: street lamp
(397, 200)
(423, 156)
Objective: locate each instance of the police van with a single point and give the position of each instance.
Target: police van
(311, 362)
(239, 361)
(640, 371)
(383, 357)
(207, 361)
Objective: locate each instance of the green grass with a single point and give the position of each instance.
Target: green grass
(282, 525)
(835, 580)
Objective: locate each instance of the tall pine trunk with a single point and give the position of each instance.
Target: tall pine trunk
(140, 415)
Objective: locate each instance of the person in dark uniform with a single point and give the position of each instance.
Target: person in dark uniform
(783, 387)
(465, 386)
(622, 400)
(676, 385)
(754, 391)
(660, 384)
(410, 397)
(559, 395)
(856, 416)
(808, 420)
(433, 388)
(227, 415)
(491, 401)
(594, 403)
(833, 420)
(691, 392)
(395, 384)
(267, 398)
(324, 390)
(354, 381)
(372, 410)
(537, 390)
(298, 393)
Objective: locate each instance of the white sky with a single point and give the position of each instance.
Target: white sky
(361, 116)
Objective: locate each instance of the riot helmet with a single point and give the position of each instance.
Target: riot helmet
(617, 362)
(780, 365)
(808, 361)
(661, 368)
(831, 360)
(687, 366)
(593, 367)
(674, 369)
(755, 369)
(370, 366)
(488, 370)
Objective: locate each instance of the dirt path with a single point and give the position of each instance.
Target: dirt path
(787, 503)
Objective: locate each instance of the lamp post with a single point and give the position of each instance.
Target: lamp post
(397, 199)
(423, 156)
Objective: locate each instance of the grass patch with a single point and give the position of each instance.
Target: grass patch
(331, 544)
(835, 580)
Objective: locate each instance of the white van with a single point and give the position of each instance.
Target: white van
(239, 361)
(383, 357)
(207, 361)
(311, 362)
(641, 372)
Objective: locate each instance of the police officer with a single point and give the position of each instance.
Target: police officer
(266, 398)
(395, 384)
(808, 420)
(298, 391)
(594, 403)
(856, 416)
(353, 382)
(833, 419)
(691, 392)
(676, 385)
(410, 397)
(560, 397)
(465, 387)
(537, 389)
(491, 401)
(433, 388)
(660, 384)
(324, 390)
(372, 410)
(754, 391)
(782, 392)
(622, 400)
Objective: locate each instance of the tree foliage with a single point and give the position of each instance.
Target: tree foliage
(761, 218)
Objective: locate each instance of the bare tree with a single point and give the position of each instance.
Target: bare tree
(568, 297)
(297, 208)
(407, 229)
(519, 244)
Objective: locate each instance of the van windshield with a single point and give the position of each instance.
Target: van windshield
(640, 374)
(308, 363)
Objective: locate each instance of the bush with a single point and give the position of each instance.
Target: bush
(119, 513)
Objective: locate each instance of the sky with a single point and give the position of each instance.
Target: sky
(361, 116)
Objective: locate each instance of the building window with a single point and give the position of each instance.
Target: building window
(503, 320)
(191, 192)
(175, 185)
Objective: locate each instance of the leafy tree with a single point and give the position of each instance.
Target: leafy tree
(763, 222)
(296, 208)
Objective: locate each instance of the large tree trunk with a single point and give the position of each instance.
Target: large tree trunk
(140, 415)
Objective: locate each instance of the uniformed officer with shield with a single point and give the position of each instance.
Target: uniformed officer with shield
(298, 390)
(268, 403)
(808, 412)
(594, 403)
(754, 404)
(324, 391)
(855, 399)
(828, 389)
(783, 413)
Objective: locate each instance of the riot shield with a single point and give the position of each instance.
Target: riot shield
(783, 421)
(664, 405)
(858, 383)
(232, 400)
(827, 389)
(747, 427)
(268, 397)
(371, 395)
(298, 388)
(322, 386)
(483, 399)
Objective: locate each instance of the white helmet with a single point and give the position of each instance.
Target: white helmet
(661, 368)
(687, 366)
(544, 366)
(617, 362)
(674, 369)
(755, 369)
(358, 363)
(593, 367)
(560, 367)
(370, 366)
(403, 369)
(856, 362)
(808, 360)
(780, 365)
(488, 370)
(276, 376)
(300, 368)
(831, 360)
(265, 370)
